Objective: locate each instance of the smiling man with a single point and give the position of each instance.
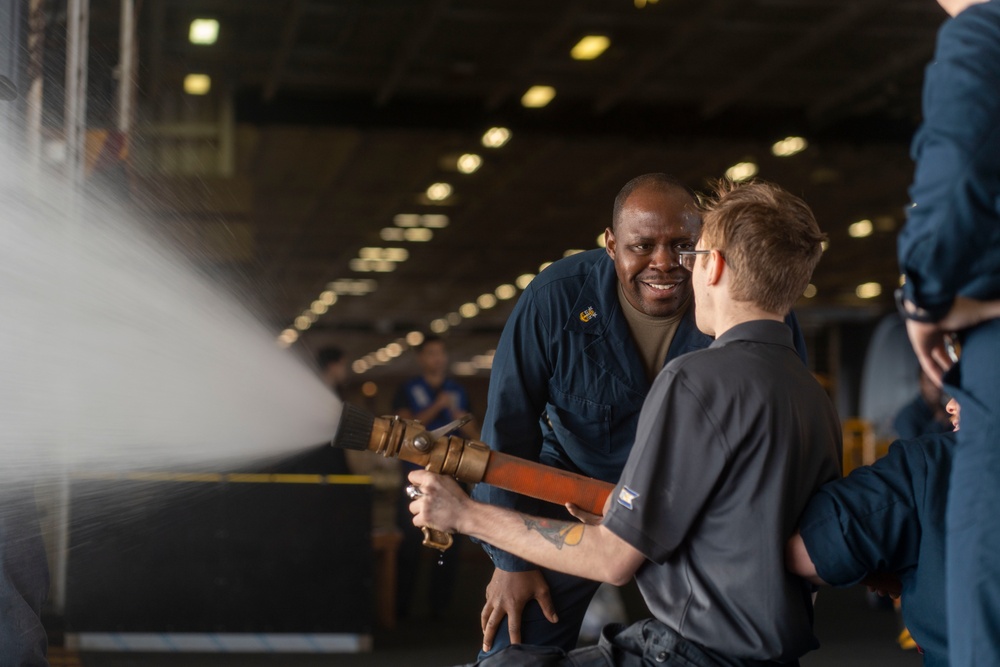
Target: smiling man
(731, 443)
(573, 366)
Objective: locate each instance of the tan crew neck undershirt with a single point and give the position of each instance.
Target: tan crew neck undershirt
(652, 335)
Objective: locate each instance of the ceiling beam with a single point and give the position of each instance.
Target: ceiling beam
(824, 33)
(289, 32)
(408, 52)
(833, 105)
(685, 33)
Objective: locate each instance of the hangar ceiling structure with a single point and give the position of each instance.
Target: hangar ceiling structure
(327, 121)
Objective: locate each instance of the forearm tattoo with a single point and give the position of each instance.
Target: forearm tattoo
(559, 533)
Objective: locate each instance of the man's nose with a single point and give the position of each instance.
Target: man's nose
(665, 257)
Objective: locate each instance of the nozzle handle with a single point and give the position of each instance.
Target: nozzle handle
(436, 539)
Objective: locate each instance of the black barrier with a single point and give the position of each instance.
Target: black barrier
(189, 553)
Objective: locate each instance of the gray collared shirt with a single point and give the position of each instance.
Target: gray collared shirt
(732, 441)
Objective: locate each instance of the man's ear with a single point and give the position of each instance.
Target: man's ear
(716, 267)
(609, 242)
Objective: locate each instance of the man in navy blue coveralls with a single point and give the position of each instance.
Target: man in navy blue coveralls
(570, 374)
(950, 254)
(887, 517)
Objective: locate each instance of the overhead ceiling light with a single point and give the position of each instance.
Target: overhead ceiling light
(393, 234)
(825, 245)
(414, 338)
(810, 291)
(368, 265)
(382, 355)
(469, 163)
(640, 4)
(288, 336)
(434, 220)
(438, 191)
(543, 266)
(329, 297)
(388, 254)
(406, 220)
(369, 389)
(463, 368)
(860, 229)
(394, 349)
(203, 31)
(468, 310)
(454, 319)
(417, 235)
(302, 323)
(319, 307)
(352, 287)
(486, 301)
(439, 325)
(572, 251)
(505, 291)
(483, 361)
(359, 366)
(495, 137)
(197, 84)
(590, 47)
(789, 146)
(537, 97)
(742, 171)
(601, 243)
(524, 280)
(868, 290)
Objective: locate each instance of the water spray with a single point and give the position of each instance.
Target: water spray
(466, 460)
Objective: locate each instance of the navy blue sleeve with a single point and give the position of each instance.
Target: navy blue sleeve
(868, 521)
(518, 394)
(951, 242)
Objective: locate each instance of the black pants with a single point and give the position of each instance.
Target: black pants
(643, 644)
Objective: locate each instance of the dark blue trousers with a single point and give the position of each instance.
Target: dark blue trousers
(973, 517)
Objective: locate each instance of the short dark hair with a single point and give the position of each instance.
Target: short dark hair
(328, 356)
(428, 338)
(769, 238)
(657, 181)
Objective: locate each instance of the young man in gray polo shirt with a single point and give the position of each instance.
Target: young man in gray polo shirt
(732, 442)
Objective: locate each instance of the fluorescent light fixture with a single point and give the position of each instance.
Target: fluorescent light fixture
(590, 47)
(203, 31)
(439, 191)
(810, 291)
(387, 254)
(789, 146)
(469, 163)
(742, 171)
(406, 220)
(860, 229)
(417, 234)
(495, 137)
(197, 84)
(393, 234)
(537, 97)
(434, 220)
(868, 290)
(352, 287)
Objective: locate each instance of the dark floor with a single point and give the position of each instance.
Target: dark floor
(850, 630)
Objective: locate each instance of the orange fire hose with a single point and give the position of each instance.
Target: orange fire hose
(546, 483)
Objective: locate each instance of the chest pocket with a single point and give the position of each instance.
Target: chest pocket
(580, 422)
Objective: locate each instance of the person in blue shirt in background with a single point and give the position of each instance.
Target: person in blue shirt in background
(949, 251)
(435, 400)
(925, 413)
(574, 364)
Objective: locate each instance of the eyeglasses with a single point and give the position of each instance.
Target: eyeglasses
(687, 257)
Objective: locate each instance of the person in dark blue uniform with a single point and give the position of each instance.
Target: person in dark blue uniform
(924, 414)
(949, 251)
(574, 364)
(435, 400)
(888, 517)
